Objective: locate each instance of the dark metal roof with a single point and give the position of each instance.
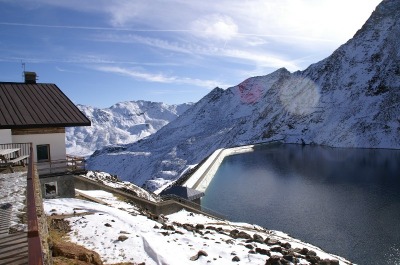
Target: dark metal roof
(38, 105)
(184, 192)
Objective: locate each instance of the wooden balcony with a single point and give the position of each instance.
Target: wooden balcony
(69, 165)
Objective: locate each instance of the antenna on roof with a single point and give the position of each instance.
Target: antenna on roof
(23, 72)
(28, 77)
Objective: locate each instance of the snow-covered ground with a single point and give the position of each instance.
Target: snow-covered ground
(120, 233)
(13, 194)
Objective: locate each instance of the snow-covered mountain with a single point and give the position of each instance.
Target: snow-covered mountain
(122, 123)
(350, 99)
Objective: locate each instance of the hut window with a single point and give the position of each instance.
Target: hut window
(43, 152)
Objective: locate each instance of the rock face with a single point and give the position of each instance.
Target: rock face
(122, 123)
(350, 99)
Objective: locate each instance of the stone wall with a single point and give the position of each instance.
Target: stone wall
(57, 186)
(163, 207)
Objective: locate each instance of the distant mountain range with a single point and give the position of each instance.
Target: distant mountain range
(122, 123)
(350, 99)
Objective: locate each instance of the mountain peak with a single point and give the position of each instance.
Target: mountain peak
(388, 11)
(387, 7)
(122, 123)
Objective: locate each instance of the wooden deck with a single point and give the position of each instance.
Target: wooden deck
(13, 247)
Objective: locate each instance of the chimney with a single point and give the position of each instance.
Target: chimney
(30, 77)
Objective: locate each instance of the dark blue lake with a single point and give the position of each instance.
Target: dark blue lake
(346, 201)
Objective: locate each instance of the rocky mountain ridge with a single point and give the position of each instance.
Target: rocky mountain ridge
(350, 99)
(122, 123)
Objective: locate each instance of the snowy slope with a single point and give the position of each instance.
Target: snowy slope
(350, 99)
(122, 123)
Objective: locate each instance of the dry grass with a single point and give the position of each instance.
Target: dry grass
(58, 235)
(58, 229)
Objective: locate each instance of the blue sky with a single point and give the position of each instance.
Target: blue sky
(100, 52)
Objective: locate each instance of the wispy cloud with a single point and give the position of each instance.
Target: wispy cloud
(254, 50)
(252, 56)
(170, 92)
(152, 42)
(64, 70)
(91, 28)
(83, 59)
(214, 29)
(160, 78)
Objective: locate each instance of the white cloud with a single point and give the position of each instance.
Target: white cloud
(263, 59)
(124, 11)
(219, 27)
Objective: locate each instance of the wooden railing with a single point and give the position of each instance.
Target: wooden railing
(76, 164)
(35, 253)
(71, 164)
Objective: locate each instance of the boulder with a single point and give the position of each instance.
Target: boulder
(289, 257)
(188, 227)
(302, 251)
(276, 249)
(249, 246)
(122, 238)
(234, 233)
(168, 227)
(257, 238)
(328, 262)
(211, 228)
(274, 260)
(243, 235)
(311, 253)
(286, 245)
(198, 255)
(199, 226)
(271, 242)
(263, 251)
